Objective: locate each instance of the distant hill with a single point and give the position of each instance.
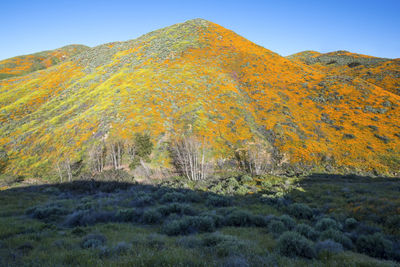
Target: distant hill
(22, 65)
(201, 79)
(382, 72)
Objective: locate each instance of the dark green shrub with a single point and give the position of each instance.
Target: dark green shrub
(338, 237)
(326, 224)
(276, 227)
(188, 224)
(225, 245)
(246, 179)
(203, 223)
(143, 201)
(393, 222)
(375, 245)
(218, 201)
(151, 216)
(307, 231)
(288, 221)
(47, 212)
(173, 197)
(292, 244)
(93, 241)
(177, 227)
(328, 246)
(182, 209)
(127, 215)
(141, 149)
(300, 211)
(85, 218)
(239, 218)
(350, 223)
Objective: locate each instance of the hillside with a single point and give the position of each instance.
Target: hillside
(201, 79)
(382, 72)
(22, 65)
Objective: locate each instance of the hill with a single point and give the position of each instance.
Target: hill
(23, 65)
(382, 72)
(198, 78)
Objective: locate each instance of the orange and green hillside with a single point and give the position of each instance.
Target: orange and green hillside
(382, 72)
(22, 65)
(201, 78)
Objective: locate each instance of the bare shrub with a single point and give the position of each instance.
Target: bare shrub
(254, 158)
(190, 157)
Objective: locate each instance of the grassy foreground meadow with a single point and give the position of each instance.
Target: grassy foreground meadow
(316, 220)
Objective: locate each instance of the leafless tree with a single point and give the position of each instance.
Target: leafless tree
(116, 149)
(254, 159)
(97, 157)
(189, 156)
(63, 165)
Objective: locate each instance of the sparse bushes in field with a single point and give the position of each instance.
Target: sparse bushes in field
(375, 245)
(328, 246)
(306, 231)
(293, 244)
(338, 237)
(191, 157)
(300, 211)
(326, 224)
(93, 241)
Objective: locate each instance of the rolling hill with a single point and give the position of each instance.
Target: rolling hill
(22, 65)
(382, 72)
(201, 79)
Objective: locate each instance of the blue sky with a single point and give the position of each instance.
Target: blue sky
(286, 27)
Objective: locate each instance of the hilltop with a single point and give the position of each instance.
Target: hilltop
(198, 78)
(382, 72)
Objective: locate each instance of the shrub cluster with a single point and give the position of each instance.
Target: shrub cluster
(293, 244)
(300, 211)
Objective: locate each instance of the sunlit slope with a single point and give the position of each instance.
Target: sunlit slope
(22, 65)
(201, 78)
(382, 72)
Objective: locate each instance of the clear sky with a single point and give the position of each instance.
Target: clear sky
(364, 26)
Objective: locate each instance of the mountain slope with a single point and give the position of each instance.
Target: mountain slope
(22, 65)
(382, 72)
(201, 78)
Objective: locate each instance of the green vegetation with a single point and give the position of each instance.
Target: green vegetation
(113, 223)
